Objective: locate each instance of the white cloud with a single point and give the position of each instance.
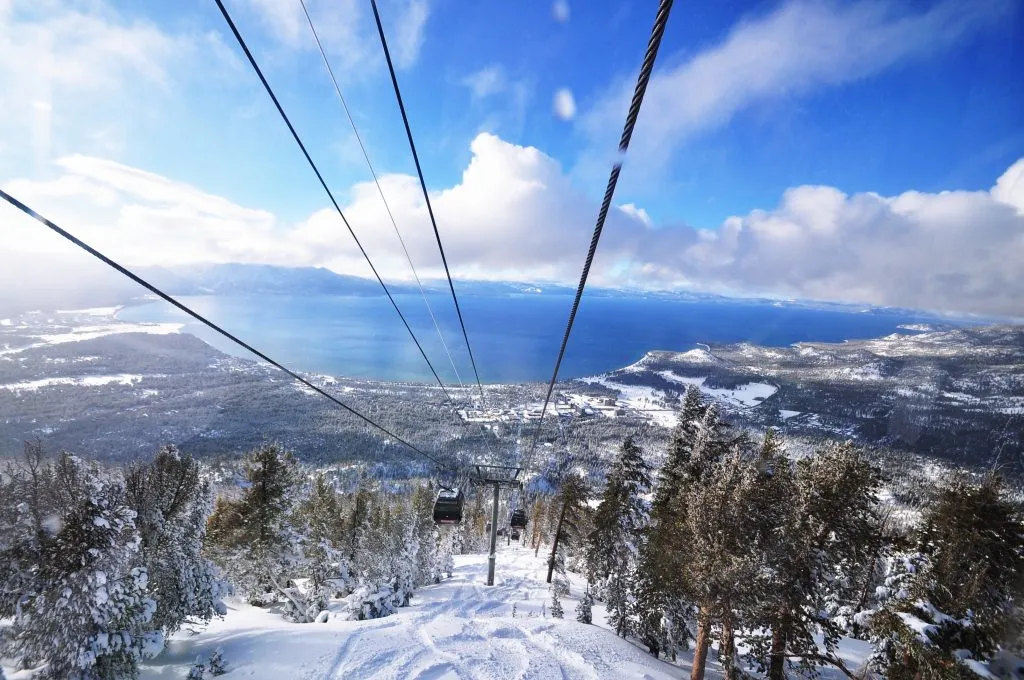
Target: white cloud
(488, 81)
(347, 30)
(800, 46)
(560, 10)
(515, 214)
(80, 74)
(409, 33)
(564, 104)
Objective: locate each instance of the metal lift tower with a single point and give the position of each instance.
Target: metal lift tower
(496, 476)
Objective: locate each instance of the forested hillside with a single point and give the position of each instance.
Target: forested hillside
(728, 551)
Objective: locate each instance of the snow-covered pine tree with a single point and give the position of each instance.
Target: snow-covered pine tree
(324, 563)
(171, 505)
(571, 504)
(197, 671)
(957, 595)
(660, 609)
(716, 563)
(253, 539)
(407, 564)
(619, 523)
(556, 605)
(428, 555)
(86, 613)
(217, 664)
(584, 609)
(832, 534)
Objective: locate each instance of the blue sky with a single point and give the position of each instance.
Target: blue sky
(787, 117)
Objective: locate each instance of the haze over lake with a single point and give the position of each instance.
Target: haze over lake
(515, 338)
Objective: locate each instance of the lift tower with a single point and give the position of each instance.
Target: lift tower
(496, 476)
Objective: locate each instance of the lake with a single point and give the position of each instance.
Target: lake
(515, 338)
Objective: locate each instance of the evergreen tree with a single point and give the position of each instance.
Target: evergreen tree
(171, 506)
(613, 545)
(85, 611)
(571, 503)
(556, 605)
(584, 609)
(661, 610)
(956, 596)
(815, 559)
(253, 538)
(324, 562)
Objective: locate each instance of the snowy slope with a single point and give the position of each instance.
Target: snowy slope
(457, 629)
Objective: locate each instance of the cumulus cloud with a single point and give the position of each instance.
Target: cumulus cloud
(515, 214)
(800, 46)
(564, 104)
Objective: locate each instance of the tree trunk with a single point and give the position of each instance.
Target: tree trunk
(727, 646)
(554, 543)
(777, 663)
(700, 651)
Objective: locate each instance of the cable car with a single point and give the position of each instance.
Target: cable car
(515, 534)
(448, 506)
(518, 519)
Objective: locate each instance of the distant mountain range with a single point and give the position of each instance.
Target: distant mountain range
(104, 287)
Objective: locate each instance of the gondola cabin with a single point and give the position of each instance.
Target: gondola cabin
(448, 506)
(518, 519)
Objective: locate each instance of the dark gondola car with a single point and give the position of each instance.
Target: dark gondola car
(448, 506)
(518, 520)
(515, 534)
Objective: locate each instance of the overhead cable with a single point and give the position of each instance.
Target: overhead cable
(323, 183)
(380, 191)
(657, 31)
(423, 186)
(206, 322)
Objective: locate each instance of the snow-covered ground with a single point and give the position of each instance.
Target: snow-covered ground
(743, 396)
(459, 628)
(92, 332)
(86, 381)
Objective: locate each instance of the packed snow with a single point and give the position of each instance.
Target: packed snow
(92, 332)
(86, 381)
(747, 395)
(459, 628)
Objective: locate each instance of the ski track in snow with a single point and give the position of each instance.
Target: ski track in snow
(459, 629)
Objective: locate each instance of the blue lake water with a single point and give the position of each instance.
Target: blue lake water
(515, 338)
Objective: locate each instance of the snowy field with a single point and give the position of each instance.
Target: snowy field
(457, 629)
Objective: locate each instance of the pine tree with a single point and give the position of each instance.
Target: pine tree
(571, 502)
(584, 609)
(619, 523)
(556, 605)
(253, 539)
(217, 664)
(814, 558)
(323, 563)
(660, 609)
(197, 671)
(171, 505)
(86, 612)
(960, 587)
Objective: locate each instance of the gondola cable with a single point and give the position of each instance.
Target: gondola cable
(323, 183)
(206, 322)
(423, 186)
(657, 31)
(373, 172)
